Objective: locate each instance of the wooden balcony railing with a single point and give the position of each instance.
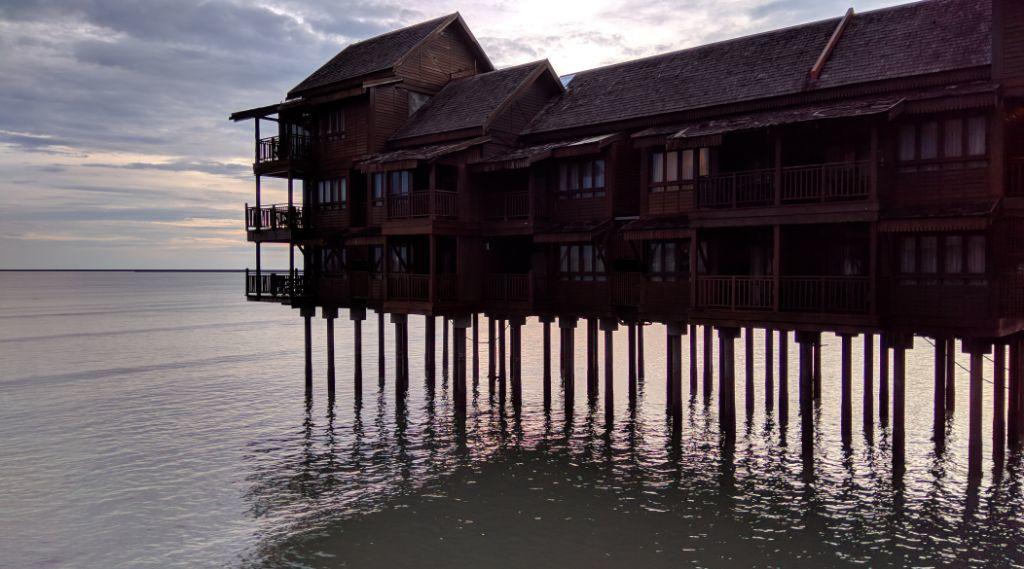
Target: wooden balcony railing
(736, 292)
(737, 189)
(503, 206)
(278, 286)
(277, 216)
(826, 182)
(275, 148)
(825, 294)
(407, 286)
(508, 287)
(437, 204)
(1015, 177)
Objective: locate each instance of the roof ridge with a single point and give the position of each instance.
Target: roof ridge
(438, 19)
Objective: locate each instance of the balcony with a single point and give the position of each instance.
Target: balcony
(274, 287)
(508, 287)
(507, 206)
(825, 294)
(736, 292)
(424, 204)
(273, 223)
(276, 154)
(408, 286)
(818, 183)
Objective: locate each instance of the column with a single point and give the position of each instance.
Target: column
(459, 325)
(609, 326)
(546, 323)
(401, 355)
(727, 382)
(783, 377)
(817, 373)
(846, 390)
(502, 387)
(567, 327)
(380, 348)
(640, 352)
(807, 342)
(999, 406)
(674, 365)
(476, 350)
(516, 361)
(630, 362)
(869, 387)
(976, 349)
(883, 379)
(357, 315)
(939, 397)
(307, 315)
(430, 349)
(592, 360)
(899, 345)
(709, 374)
(769, 369)
(693, 361)
(748, 365)
(491, 374)
(444, 348)
(950, 376)
(330, 314)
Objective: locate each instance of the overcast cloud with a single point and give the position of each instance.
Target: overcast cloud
(115, 149)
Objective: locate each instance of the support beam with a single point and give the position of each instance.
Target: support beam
(868, 405)
(609, 326)
(640, 353)
(516, 362)
(444, 348)
(1013, 414)
(429, 350)
(546, 323)
(939, 394)
(307, 316)
(502, 378)
(976, 349)
(999, 407)
(476, 351)
(380, 348)
(817, 373)
(401, 322)
(807, 342)
(674, 366)
(630, 362)
(330, 314)
(693, 362)
(727, 382)
(592, 360)
(951, 376)
(899, 344)
(567, 328)
(748, 365)
(769, 370)
(846, 391)
(709, 373)
(459, 324)
(491, 373)
(357, 315)
(783, 377)
(883, 379)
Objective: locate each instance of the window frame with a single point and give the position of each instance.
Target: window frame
(942, 124)
(941, 275)
(699, 166)
(581, 262)
(582, 170)
(332, 193)
(656, 252)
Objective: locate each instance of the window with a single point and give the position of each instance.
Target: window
(377, 188)
(399, 182)
(942, 259)
(581, 179)
(671, 170)
(401, 259)
(332, 261)
(376, 259)
(581, 263)
(333, 192)
(668, 260)
(333, 122)
(934, 145)
(416, 100)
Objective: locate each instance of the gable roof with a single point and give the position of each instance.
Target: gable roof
(379, 53)
(911, 39)
(473, 101)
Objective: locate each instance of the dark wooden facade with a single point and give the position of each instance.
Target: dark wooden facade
(841, 197)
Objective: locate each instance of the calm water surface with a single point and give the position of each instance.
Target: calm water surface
(158, 420)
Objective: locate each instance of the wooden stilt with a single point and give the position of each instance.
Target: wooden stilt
(977, 350)
(491, 373)
(502, 383)
(846, 391)
(459, 325)
(769, 370)
(444, 348)
(476, 351)
(631, 362)
(546, 322)
(430, 350)
(640, 352)
(692, 356)
(1013, 414)
(783, 377)
(899, 347)
(608, 327)
(748, 368)
(869, 387)
(951, 376)
(592, 360)
(817, 373)
(709, 374)
(939, 393)
(401, 354)
(357, 315)
(515, 361)
(567, 327)
(807, 341)
(674, 362)
(883, 379)
(308, 335)
(727, 382)
(330, 315)
(999, 406)
(380, 348)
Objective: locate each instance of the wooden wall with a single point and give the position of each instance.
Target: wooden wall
(434, 63)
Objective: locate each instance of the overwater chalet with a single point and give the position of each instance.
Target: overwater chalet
(861, 174)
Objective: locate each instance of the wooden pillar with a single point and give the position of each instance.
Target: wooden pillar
(999, 406)
(592, 360)
(1013, 414)
(769, 370)
(430, 349)
(444, 347)
(674, 364)
(693, 361)
(783, 377)
(401, 322)
(459, 324)
(939, 393)
(977, 350)
(491, 374)
(502, 384)
(567, 327)
(640, 352)
(330, 314)
(546, 322)
(846, 391)
(709, 373)
(516, 361)
(609, 326)
(307, 315)
(748, 365)
(727, 382)
(951, 376)
(899, 346)
(807, 341)
(817, 373)
(883, 379)
(380, 348)
(869, 387)
(357, 315)
(476, 350)
(631, 361)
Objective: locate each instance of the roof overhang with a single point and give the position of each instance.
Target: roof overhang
(526, 156)
(657, 228)
(406, 158)
(573, 233)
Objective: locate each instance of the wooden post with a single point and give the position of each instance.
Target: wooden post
(999, 406)
(693, 362)
(807, 341)
(567, 327)
(460, 323)
(307, 315)
(476, 351)
(709, 374)
(444, 348)
(899, 347)
(330, 314)
(869, 387)
(430, 351)
(1013, 415)
(546, 321)
(357, 315)
(846, 389)
(609, 326)
(401, 323)
(640, 352)
(951, 376)
(515, 361)
(977, 350)
(883, 379)
(727, 382)
(631, 361)
(674, 364)
(748, 365)
(817, 373)
(491, 374)
(783, 377)
(939, 394)
(380, 348)
(502, 384)
(591, 360)
(769, 369)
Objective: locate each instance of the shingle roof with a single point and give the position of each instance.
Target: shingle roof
(422, 152)
(467, 103)
(912, 39)
(367, 56)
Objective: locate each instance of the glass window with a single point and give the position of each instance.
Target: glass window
(672, 166)
(574, 258)
(954, 254)
(658, 167)
(574, 176)
(705, 162)
(563, 177)
(929, 254)
(687, 165)
(976, 254)
(378, 188)
(908, 142)
(564, 258)
(977, 135)
(343, 191)
(929, 140)
(599, 173)
(908, 256)
(670, 257)
(588, 175)
(954, 146)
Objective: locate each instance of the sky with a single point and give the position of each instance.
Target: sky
(115, 148)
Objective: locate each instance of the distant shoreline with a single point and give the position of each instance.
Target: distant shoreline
(122, 270)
